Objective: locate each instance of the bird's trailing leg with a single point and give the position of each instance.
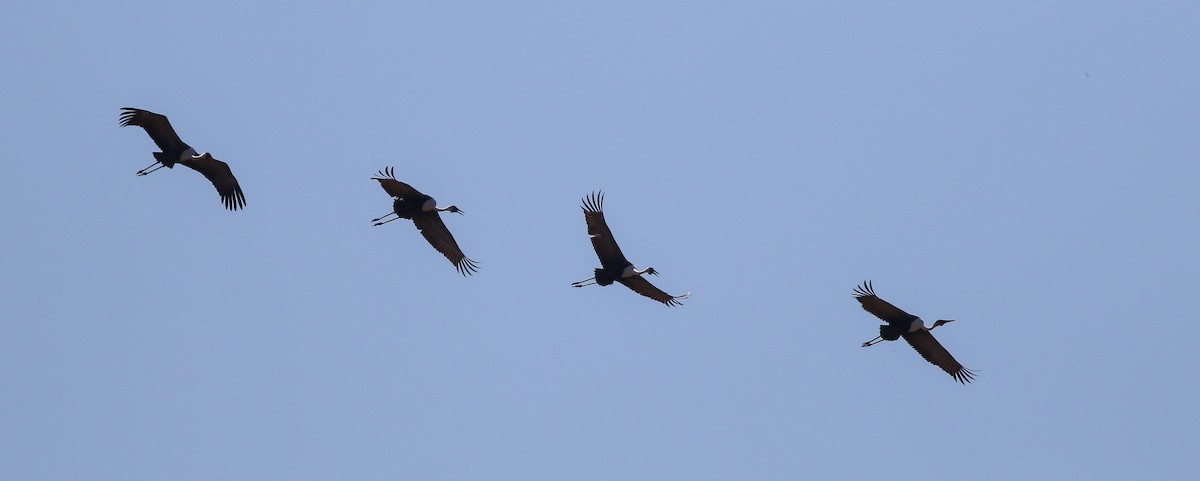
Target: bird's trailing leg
(584, 282)
(148, 170)
(377, 220)
(872, 342)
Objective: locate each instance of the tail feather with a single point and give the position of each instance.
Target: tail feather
(890, 332)
(165, 159)
(602, 278)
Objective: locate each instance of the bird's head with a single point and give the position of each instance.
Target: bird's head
(456, 210)
(651, 271)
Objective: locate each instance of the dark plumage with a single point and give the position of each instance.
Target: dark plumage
(175, 151)
(411, 204)
(912, 329)
(615, 268)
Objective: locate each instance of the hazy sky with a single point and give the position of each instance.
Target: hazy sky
(1028, 169)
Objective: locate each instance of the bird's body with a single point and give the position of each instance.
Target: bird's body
(169, 159)
(409, 203)
(607, 275)
(175, 151)
(406, 208)
(913, 330)
(614, 266)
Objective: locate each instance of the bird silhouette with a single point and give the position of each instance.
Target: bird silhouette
(175, 151)
(615, 268)
(409, 203)
(912, 329)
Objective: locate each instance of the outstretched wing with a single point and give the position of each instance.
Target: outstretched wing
(431, 226)
(221, 177)
(156, 125)
(642, 286)
(879, 307)
(932, 350)
(602, 238)
(395, 188)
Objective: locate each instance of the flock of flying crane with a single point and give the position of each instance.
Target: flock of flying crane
(409, 203)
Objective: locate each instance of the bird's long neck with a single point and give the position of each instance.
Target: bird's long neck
(631, 271)
(430, 205)
(940, 322)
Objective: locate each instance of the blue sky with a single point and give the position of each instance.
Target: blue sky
(1028, 169)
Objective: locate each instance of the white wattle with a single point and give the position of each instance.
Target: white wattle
(187, 154)
(916, 325)
(630, 271)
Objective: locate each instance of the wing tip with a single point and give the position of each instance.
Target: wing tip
(864, 290)
(234, 203)
(594, 202)
(467, 266)
(127, 115)
(386, 173)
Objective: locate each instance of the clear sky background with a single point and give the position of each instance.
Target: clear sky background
(1027, 169)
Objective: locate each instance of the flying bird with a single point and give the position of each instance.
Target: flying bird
(912, 329)
(615, 266)
(174, 151)
(410, 203)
